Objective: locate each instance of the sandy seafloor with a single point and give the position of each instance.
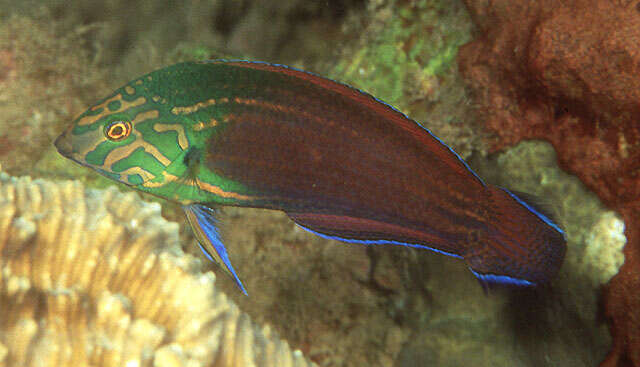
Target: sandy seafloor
(340, 304)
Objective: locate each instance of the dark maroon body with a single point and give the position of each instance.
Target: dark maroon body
(347, 166)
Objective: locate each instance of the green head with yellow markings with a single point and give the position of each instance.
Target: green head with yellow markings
(152, 132)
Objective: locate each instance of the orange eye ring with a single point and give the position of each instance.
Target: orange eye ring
(118, 130)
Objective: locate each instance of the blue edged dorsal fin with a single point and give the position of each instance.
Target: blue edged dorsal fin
(541, 208)
(203, 223)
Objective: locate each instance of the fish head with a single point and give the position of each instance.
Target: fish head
(126, 136)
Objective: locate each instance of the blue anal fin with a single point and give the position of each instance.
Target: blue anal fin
(345, 232)
(203, 224)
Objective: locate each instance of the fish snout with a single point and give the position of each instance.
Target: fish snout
(63, 144)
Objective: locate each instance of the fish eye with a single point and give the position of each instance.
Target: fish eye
(117, 130)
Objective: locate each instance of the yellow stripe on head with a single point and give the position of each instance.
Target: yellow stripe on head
(125, 105)
(182, 137)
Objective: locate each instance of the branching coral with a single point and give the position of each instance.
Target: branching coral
(93, 277)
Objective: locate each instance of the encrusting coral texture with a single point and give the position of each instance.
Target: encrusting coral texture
(97, 278)
(45, 76)
(567, 72)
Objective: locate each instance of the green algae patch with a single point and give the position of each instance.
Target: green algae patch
(405, 43)
(406, 56)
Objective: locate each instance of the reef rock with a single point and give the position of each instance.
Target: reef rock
(567, 72)
(45, 76)
(97, 278)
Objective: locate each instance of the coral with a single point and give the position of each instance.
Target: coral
(603, 255)
(90, 277)
(567, 72)
(622, 299)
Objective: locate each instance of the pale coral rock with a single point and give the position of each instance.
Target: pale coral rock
(3, 354)
(603, 254)
(97, 278)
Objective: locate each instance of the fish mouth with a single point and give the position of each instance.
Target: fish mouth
(65, 148)
(63, 145)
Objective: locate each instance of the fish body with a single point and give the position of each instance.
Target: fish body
(341, 163)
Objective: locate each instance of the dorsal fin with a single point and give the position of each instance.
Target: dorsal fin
(539, 206)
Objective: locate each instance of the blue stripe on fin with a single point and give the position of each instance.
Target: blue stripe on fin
(534, 211)
(206, 254)
(500, 279)
(202, 221)
(377, 242)
(452, 151)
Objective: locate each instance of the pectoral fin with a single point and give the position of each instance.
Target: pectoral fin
(203, 224)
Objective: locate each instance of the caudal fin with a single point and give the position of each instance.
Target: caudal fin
(523, 246)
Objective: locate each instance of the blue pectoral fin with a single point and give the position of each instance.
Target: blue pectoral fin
(203, 224)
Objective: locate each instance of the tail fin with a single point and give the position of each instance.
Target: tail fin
(523, 246)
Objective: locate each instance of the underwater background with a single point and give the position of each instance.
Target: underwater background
(541, 97)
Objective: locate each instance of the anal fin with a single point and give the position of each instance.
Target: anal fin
(351, 229)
